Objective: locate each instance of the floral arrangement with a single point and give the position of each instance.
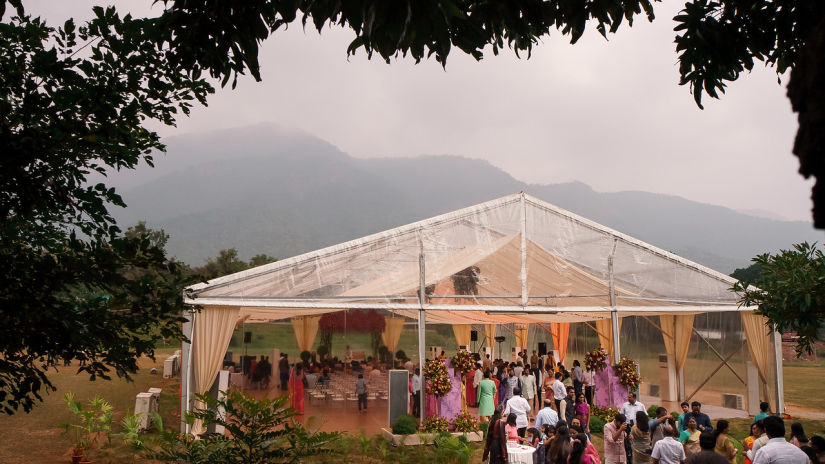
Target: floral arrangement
(463, 362)
(606, 414)
(436, 424)
(438, 382)
(626, 372)
(596, 360)
(465, 422)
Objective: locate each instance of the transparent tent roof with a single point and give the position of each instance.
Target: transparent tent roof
(514, 259)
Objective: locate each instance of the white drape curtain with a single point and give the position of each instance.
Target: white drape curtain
(305, 327)
(213, 331)
(604, 327)
(392, 333)
(757, 334)
(676, 331)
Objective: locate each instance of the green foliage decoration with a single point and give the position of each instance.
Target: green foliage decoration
(452, 449)
(258, 432)
(596, 424)
(405, 424)
(790, 293)
(94, 418)
(651, 411)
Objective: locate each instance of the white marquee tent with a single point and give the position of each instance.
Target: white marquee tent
(516, 259)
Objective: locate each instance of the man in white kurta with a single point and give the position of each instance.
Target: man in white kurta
(528, 387)
(520, 407)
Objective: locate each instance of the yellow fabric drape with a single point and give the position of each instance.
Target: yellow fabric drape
(521, 336)
(306, 327)
(676, 333)
(392, 332)
(605, 330)
(757, 334)
(462, 333)
(560, 332)
(490, 337)
(213, 331)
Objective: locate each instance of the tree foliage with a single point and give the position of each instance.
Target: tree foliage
(790, 292)
(74, 100)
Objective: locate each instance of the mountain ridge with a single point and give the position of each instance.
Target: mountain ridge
(265, 189)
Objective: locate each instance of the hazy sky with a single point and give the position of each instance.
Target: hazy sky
(606, 113)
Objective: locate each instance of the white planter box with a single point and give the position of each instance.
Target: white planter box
(415, 439)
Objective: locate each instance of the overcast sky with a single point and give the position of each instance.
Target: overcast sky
(606, 113)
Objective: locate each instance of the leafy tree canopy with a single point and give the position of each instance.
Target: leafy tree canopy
(790, 292)
(748, 275)
(74, 100)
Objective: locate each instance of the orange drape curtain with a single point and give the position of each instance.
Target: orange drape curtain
(560, 332)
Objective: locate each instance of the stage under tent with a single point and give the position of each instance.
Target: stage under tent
(517, 262)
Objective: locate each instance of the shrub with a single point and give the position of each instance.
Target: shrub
(675, 416)
(596, 424)
(405, 425)
(651, 411)
(400, 355)
(484, 426)
(257, 431)
(452, 449)
(323, 351)
(305, 356)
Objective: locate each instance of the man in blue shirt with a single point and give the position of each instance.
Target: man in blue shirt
(702, 419)
(547, 415)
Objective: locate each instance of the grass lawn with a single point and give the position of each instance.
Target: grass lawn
(804, 382)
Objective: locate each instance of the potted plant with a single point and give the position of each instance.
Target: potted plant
(94, 419)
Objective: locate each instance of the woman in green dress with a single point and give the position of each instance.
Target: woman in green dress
(486, 395)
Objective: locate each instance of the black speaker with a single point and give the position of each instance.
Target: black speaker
(247, 337)
(473, 336)
(542, 348)
(501, 338)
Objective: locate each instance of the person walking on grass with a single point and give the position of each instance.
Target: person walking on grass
(486, 397)
(361, 391)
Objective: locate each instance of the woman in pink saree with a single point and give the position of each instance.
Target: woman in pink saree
(296, 389)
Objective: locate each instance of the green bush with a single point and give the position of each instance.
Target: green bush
(400, 355)
(651, 411)
(675, 416)
(484, 426)
(405, 425)
(596, 424)
(305, 356)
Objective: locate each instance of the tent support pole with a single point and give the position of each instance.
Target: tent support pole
(614, 313)
(780, 381)
(523, 252)
(422, 321)
(188, 405)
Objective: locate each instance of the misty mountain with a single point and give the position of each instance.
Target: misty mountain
(265, 189)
